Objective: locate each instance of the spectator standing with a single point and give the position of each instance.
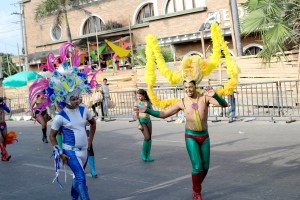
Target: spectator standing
(231, 110)
(106, 97)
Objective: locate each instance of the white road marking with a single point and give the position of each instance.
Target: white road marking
(172, 141)
(48, 168)
(167, 183)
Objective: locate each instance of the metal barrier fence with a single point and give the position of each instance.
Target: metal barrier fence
(265, 99)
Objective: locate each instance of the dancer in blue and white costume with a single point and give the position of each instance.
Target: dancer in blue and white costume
(66, 86)
(72, 120)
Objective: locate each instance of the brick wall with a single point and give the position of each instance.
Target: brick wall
(122, 11)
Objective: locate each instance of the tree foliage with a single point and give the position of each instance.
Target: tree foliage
(110, 25)
(277, 22)
(58, 8)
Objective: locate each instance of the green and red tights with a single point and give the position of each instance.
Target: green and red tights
(198, 147)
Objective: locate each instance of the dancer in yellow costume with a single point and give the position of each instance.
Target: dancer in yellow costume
(196, 103)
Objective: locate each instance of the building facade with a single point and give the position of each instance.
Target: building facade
(175, 22)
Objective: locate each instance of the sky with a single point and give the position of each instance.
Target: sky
(10, 27)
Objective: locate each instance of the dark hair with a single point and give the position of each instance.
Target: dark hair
(194, 82)
(143, 93)
(58, 60)
(105, 79)
(41, 92)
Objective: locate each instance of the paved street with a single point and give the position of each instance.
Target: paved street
(249, 161)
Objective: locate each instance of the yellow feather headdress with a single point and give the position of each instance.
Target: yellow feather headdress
(193, 67)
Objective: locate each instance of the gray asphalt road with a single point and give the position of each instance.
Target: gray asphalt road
(249, 161)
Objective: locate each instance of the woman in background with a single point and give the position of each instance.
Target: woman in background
(41, 116)
(144, 124)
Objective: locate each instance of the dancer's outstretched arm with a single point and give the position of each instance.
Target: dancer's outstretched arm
(160, 114)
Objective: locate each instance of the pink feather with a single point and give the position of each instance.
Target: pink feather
(35, 90)
(87, 69)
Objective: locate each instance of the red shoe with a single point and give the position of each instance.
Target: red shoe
(197, 180)
(5, 156)
(197, 196)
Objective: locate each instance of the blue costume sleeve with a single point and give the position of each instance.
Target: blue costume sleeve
(5, 107)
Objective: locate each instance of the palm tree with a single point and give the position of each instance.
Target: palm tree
(60, 9)
(277, 23)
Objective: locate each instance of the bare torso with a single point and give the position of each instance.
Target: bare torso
(187, 107)
(39, 99)
(143, 115)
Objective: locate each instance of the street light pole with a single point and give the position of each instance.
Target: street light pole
(23, 28)
(235, 27)
(23, 32)
(203, 45)
(201, 29)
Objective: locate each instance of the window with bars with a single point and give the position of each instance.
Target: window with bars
(92, 25)
(253, 50)
(56, 32)
(180, 5)
(146, 11)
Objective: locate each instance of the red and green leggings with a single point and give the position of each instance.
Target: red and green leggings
(198, 147)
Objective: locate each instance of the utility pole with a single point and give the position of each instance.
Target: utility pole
(1, 72)
(202, 29)
(202, 44)
(131, 48)
(8, 65)
(23, 32)
(23, 28)
(1, 76)
(235, 27)
(20, 64)
(297, 85)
